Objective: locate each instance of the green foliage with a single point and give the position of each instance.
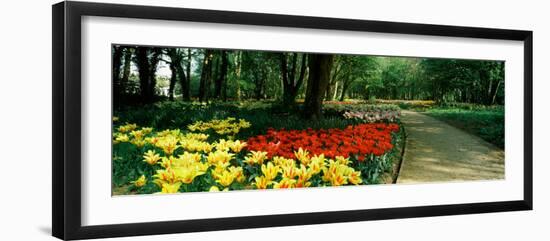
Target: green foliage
(259, 75)
(373, 168)
(341, 108)
(471, 81)
(486, 122)
(262, 115)
(128, 163)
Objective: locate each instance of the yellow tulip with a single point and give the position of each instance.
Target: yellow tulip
(194, 126)
(355, 177)
(227, 126)
(256, 157)
(151, 157)
(188, 158)
(289, 172)
(343, 161)
(202, 167)
(170, 188)
(138, 142)
(152, 140)
(168, 144)
(315, 166)
(262, 182)
(196, 136)
(270, 171)
(222, 145)
(137, 134)
(122, 138)
(140, 182)
(330, 170)
(237, 146)
(283, 162)
(146, 130)
(237, 173)
(302, 156)
(317, 159)
(285, 183)
(303, 174)
(205, 147)
(167, 175)
(219, 156)
(338, 180)
(127, 128)
(167, 162)
(187, 175)
(225, 178)
(336, 173)
(244, 124)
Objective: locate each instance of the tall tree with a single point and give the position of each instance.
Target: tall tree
(332, 87)
(238, 59)
(351, 69)
(464, 80)
(128, 52)
(178, 73)
(147, 61)
(186, 82)
(292, 79)
(117, 61)
(206, 75)
(320, 66)
(256, 68)
(222, 76)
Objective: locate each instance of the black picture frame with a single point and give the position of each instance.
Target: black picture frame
(66, 59)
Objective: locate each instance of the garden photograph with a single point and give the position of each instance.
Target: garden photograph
(189, 119)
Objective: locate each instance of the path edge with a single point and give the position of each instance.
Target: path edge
(403, 153)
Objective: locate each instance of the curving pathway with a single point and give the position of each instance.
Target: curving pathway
(438, 152)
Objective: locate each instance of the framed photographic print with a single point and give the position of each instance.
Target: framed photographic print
(170, 120)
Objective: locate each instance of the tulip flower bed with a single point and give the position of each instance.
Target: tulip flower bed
(208, 156)
(366, 112)
(358, 141)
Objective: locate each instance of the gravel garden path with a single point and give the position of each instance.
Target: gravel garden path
(438, 152)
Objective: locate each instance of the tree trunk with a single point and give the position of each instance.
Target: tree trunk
(206, 76)
(185, 77)
(226, 80)
(155, 58)
(327, 92)
(495, 92)
(222, 75)
(319, 74)
(184, 82)
(173, 80)
(259, 81)
(344, 89)
(143, 71)
(335, 91)
(291, 83)
(175, 67)
(331, 92)
(238, 64)
(117, 61)
(147, 61)
(126, 69)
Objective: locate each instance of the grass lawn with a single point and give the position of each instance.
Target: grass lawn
(485, 122)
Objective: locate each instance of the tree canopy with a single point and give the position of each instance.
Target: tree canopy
(207, 75)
